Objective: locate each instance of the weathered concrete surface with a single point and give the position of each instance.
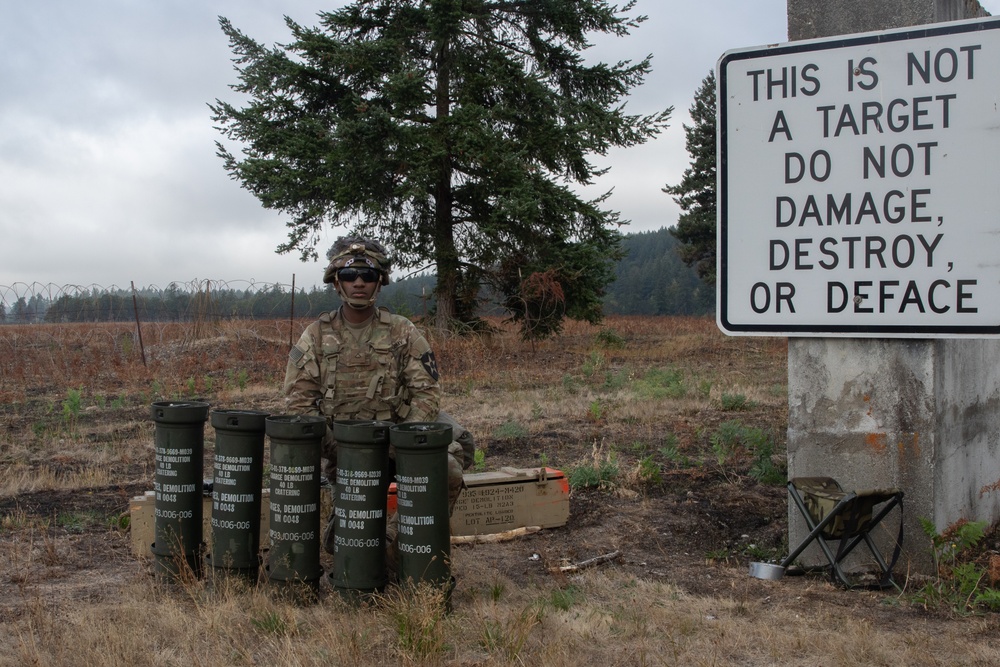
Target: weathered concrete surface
(808, 19)
(921, 415)
(968, 430)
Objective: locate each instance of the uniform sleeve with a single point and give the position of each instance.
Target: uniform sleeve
(303, 387)
(420, 378)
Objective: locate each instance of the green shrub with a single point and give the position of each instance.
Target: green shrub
(615, 380)
(958, 583)
(639, 447)
(727, 441)
(734, 442)
(564, 598)
(71, 408)
(735, 402)
(598, 474)
(594, 362)
(662, 383)
(610, 338)
(270, 623)
(672, 453)
(649, 471)
(763, 469)
(510, 430)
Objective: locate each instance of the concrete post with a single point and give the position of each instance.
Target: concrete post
(922, 415)
(808, 19)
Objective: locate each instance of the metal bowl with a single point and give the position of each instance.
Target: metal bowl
(766, 571)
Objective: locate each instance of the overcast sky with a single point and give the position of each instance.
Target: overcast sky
(108, 172)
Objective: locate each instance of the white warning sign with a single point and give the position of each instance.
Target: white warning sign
(859, 185)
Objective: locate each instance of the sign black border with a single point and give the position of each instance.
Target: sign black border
(909, 331)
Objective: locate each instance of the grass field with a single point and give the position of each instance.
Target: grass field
(672, 435)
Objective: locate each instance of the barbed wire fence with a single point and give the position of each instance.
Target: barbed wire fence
(78, 332)
(196, 300)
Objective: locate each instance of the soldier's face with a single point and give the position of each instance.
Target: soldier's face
(358, 284)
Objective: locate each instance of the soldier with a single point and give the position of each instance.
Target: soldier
(362, 362)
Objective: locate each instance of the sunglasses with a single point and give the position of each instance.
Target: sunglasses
(350, 275)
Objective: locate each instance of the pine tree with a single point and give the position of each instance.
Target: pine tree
(695, 194)
(449, 130)
(19, 314)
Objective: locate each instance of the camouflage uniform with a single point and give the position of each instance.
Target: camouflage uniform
(388, 373)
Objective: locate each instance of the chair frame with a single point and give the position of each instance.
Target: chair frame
(851, 536)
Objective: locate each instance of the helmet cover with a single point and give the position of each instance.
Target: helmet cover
(357, 252)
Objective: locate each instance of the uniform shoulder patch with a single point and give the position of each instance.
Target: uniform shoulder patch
(430, 364)
(296, 354)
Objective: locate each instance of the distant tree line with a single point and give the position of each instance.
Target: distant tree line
(651, 280)
(176, 304)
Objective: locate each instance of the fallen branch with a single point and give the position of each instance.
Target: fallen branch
(590, 562)
(495, 537)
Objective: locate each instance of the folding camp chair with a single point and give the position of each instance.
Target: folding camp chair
(833, 514)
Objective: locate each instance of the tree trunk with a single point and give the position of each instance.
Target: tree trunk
(446, 255)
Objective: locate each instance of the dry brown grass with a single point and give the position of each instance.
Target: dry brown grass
(72, 594)
(607, 620)
(15, 479)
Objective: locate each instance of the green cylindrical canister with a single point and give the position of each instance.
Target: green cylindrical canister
(296, 449)
(237, 483)
(422, 501)
(359, 506)
(177, 484)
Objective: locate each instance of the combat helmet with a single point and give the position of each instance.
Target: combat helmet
(357, 252)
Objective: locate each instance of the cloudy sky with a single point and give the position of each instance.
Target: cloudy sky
(108, 172)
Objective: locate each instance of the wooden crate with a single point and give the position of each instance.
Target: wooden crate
(510, 498)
